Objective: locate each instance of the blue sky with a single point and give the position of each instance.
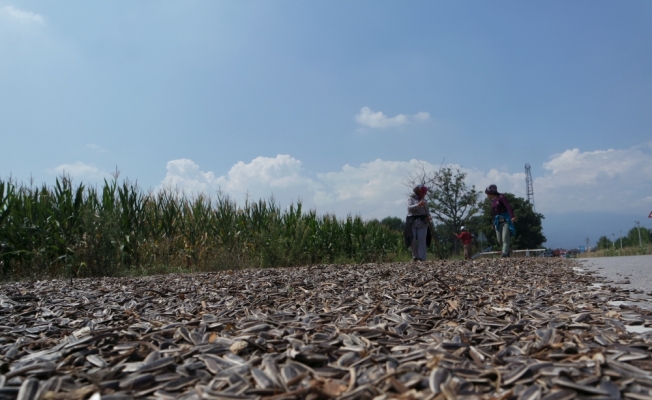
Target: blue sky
(336, 102)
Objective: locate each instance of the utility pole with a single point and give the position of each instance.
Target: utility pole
(640, 244)
(613, 241)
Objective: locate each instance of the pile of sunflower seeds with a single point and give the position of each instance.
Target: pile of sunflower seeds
(490, 329)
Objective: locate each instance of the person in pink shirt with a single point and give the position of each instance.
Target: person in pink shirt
(504, 218)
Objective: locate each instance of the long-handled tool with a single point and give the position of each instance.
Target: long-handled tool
(433, 236)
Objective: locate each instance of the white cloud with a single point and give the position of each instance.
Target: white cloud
(280, 172)
(574, 181)
(377, 119)
(20, 16)
(372, 190)
(422, 116)
(281, 176)
(185, 175)
(80, 171)
(375, 189)
(608, 181)
(604, 180)
(506, 182)
(367, 117)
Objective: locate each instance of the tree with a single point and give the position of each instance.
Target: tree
(629, 240)
(393, 223)
(632, 236)
(604, 243)
(450, 200)
(529, 231)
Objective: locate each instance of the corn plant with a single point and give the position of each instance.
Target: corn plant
(117, 229)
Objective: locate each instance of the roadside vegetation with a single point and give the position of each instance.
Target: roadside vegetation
(637, 241)
(118, 229)
(625, 251)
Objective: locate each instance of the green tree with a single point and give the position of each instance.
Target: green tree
(529, 231)
(604, 243)
(632, 237)
(393, 223)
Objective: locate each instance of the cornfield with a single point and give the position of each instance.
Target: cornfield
(118, 229)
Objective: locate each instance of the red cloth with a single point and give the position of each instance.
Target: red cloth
(465, 237)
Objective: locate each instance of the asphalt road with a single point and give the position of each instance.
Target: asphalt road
(631, 272)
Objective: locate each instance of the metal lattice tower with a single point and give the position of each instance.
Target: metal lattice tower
(528, 183)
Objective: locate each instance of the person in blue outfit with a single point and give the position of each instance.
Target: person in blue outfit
(503, 218)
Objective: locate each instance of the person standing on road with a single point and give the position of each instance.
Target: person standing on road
(417, 222)
(466, 239)
(504, 218)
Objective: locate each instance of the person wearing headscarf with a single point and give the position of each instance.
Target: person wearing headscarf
(504, 218)
(466, 239)
(418, 219)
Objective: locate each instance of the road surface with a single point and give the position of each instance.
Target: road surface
(630, 272)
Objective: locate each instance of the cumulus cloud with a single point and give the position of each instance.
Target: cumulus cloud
(613, 180)
(608, 181)
(80, 171)
(280, 172)
(505, 181)
(185, 175)
(20, 16)
(370, 190)
(281, 176)
(374, 189)
(603, 180)
(367, 117)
